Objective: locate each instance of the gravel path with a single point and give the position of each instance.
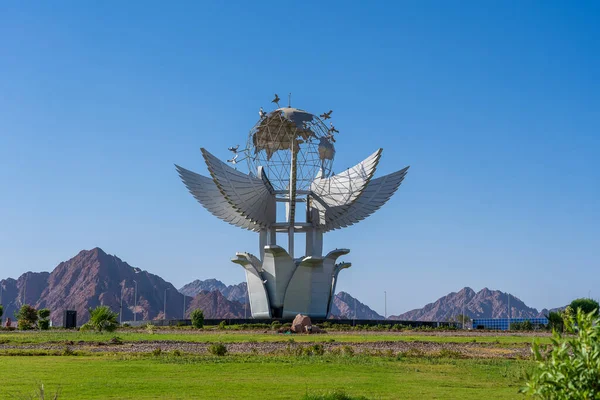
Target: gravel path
(469, 350)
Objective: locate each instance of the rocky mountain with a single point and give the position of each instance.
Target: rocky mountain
(208, 285)
(483, 304)
(215, 305)
(90, 279)
(237, 292)
(347, 307)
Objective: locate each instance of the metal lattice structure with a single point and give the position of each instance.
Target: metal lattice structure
(290, 155)
(272, 138)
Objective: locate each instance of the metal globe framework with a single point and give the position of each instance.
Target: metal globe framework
(278, 134)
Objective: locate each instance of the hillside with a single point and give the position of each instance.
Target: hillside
(483, 304)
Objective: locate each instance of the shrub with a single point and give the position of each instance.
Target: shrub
(1, 312)
(26, 317)
(275, 325)
(177, 353)
(348, 350)
(222, 325)
(157, 352)
(335, 395)
(44, 324)
(571, 370)
(197, 318)
(68, 351)
(586, 305)
(44, 321)
(316, 349)
(217, 349)
(150, 328)
(555, 321)
(103, 319)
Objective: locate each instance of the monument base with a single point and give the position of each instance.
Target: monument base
(282, 287)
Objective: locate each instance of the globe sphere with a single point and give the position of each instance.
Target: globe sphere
(283, 131)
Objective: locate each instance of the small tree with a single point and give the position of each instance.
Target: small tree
(1, 312)
(26, 317)
(103, 319)
(462, 319)
(197, 318)
(586, 305)
(571, 370)
(555, 321)
(44, 321)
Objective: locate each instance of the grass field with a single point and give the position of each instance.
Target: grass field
(261, 377)
(416, 365)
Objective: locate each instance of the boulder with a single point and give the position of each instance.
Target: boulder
(303, 324)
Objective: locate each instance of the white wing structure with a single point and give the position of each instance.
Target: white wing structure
(208, 194)
(252, 197)
(332, 196)
(375, 195)
(279, 284)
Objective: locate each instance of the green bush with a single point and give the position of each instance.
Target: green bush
(521, 326)
(44, 321)
(348, 350)
(571, 370)
(316, 349)
(157, 352)
(197, 317)
(1, 311)
(217, 349)
(555, 321)
(334, 395)
(223, 325)
(44, 324)
(26, 317)
(586, 305)
(103, 319)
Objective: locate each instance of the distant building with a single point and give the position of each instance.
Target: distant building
(503, 324)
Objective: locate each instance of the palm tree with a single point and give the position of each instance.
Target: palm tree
(103, 319)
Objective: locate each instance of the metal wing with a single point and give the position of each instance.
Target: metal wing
(208, 194)
(375, 195)
(251, 196)
(332, 196)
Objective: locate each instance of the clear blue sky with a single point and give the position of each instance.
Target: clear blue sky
(496, 107)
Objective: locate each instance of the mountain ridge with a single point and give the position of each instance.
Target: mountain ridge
(486, 303)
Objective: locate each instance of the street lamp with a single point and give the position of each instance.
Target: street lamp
(165, 305)
(135, 302)
(385, 302)
(121, 309)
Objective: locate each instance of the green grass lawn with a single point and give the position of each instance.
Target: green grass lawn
(260, 377)
(227, 336)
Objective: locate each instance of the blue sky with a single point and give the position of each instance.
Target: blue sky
(496, 107)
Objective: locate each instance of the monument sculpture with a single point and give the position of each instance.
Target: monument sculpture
(289, 154)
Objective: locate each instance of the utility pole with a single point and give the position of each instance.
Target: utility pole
(135, 302)
(121, 310)
(508, 311)
(165, 305)
(463, 313)
(24, 290)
